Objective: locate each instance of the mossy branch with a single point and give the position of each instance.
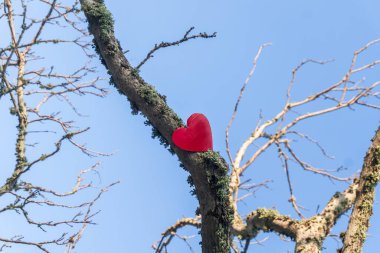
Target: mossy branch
(269, 220)
(359, 221)
(208, 170)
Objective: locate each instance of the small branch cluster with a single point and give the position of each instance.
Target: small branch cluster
(171, 232)
(279, 131)
(32, 90)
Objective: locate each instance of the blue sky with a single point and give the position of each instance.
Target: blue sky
(205, 76)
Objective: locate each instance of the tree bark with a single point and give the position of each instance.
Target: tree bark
(208, 170)
(362, 211)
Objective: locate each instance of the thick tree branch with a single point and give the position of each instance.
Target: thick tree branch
(208, 170)
(312, 232)
(267, 220)
(308, 234)
(362, 211)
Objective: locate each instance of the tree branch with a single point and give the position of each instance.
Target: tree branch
(175, 43)
(313, 231)
(20, 78)
(362, 211)
(172, 231)
(267, 220)
(208, 170)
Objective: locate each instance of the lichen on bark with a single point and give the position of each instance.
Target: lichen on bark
(208, 170)
(363, 208)
(218, 179)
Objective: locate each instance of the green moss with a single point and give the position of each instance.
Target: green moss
(149, 94)
(371, 181)
(263, 220)
(218, 179)
(46, 87)
(21, 160)
(342, 206)
(157, 135)
(13, 110)
(69, 135)
(154, 99)
(336, 195)
(99, 11)
(377, 151)
(135, 72)
(190, 181)
(102, 61)
(344, 203)
(366, 205)
(329, 220)
(223, 245)
(265, 215)
(43, 157)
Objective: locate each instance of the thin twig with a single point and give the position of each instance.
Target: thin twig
(185, 38)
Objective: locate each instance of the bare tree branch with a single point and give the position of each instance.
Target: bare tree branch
(255, 60)
(171, 232)
(24, 84)
(185, 38)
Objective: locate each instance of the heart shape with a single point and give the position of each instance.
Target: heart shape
(196, 137)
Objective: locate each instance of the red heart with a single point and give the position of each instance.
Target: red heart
(197, 137)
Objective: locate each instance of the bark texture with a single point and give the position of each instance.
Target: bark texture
(208, 170)
(362, 211)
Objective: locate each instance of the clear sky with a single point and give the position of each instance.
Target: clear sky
(205, 76)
